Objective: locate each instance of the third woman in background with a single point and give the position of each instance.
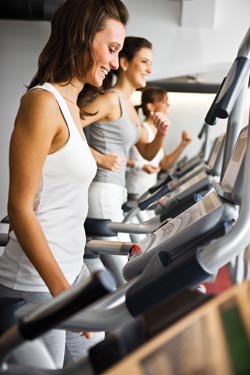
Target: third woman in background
(141, 175)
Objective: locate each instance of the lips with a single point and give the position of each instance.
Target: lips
(104, 71)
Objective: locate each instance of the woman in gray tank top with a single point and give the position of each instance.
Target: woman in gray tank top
(115, 128)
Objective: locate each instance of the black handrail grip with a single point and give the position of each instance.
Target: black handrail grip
(165, 181)
(231, 87)
(171, 279)
(66, 304)
(211, 118)
(154, 197)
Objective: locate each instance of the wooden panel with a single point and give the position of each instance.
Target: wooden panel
(201, 342)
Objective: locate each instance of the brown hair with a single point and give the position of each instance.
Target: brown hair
(132, 44)
(68, 52)
(151, 94)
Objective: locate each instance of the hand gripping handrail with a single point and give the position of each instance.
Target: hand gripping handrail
(61, 307)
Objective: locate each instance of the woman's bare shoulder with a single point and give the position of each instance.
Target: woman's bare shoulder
(107, 98)
(38, 107)
(104, 105)
(38, 97)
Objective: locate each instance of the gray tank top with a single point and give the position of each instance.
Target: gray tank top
(114, 137)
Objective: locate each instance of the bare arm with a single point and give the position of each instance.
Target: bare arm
(31, 141)
(148, 168)
(169, 160)
(149, 150)
(130, 163)
(106, 108)
(111, 162)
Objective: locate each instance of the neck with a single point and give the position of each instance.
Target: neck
(70, 91)
(126, 92)
(70, 101)
(148, 120)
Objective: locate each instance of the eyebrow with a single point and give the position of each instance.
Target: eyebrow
(148, 60)
(116, 44)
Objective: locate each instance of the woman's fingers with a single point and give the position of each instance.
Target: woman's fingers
(88, 335)
(112, 162)
(161, 121)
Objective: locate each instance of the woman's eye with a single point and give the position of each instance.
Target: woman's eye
(112, 50)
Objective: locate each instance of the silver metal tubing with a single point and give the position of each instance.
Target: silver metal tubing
(114, 297)
(109, 247)
(106, 314)
(244, 48)
(146, 227)
(10, 340)
(131, 214)
(98, 320)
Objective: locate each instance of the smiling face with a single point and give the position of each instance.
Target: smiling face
(107, 44)
(139, 68)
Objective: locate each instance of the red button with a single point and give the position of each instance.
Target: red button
(135, 249)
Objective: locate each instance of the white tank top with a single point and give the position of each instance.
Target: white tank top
(137, 180)
(61, 206)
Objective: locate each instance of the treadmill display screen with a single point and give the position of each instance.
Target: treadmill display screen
(233, 168)
(215, 151)
(210, 203)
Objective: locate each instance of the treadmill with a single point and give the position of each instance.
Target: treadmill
(203, 220)
(177, 197)
(180, 190)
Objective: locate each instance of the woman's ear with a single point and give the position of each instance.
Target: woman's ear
(150, 107)
(123, 62)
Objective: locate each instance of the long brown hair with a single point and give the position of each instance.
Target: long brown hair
(68, 52)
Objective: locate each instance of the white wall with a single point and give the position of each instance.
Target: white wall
(188, 111)
(20, 45)
(177, 50)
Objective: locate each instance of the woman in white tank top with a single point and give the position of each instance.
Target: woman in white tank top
(51, 166)
(141, 174)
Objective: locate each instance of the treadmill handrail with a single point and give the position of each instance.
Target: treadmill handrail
(154, 197)
(231, 87)
(137, 228)
(217, 254)
(211, 118)
(234, 79)
(154, 193)
(61, 307)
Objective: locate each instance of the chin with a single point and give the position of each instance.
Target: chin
(143, 84)
(98, 84)
(95, 83)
